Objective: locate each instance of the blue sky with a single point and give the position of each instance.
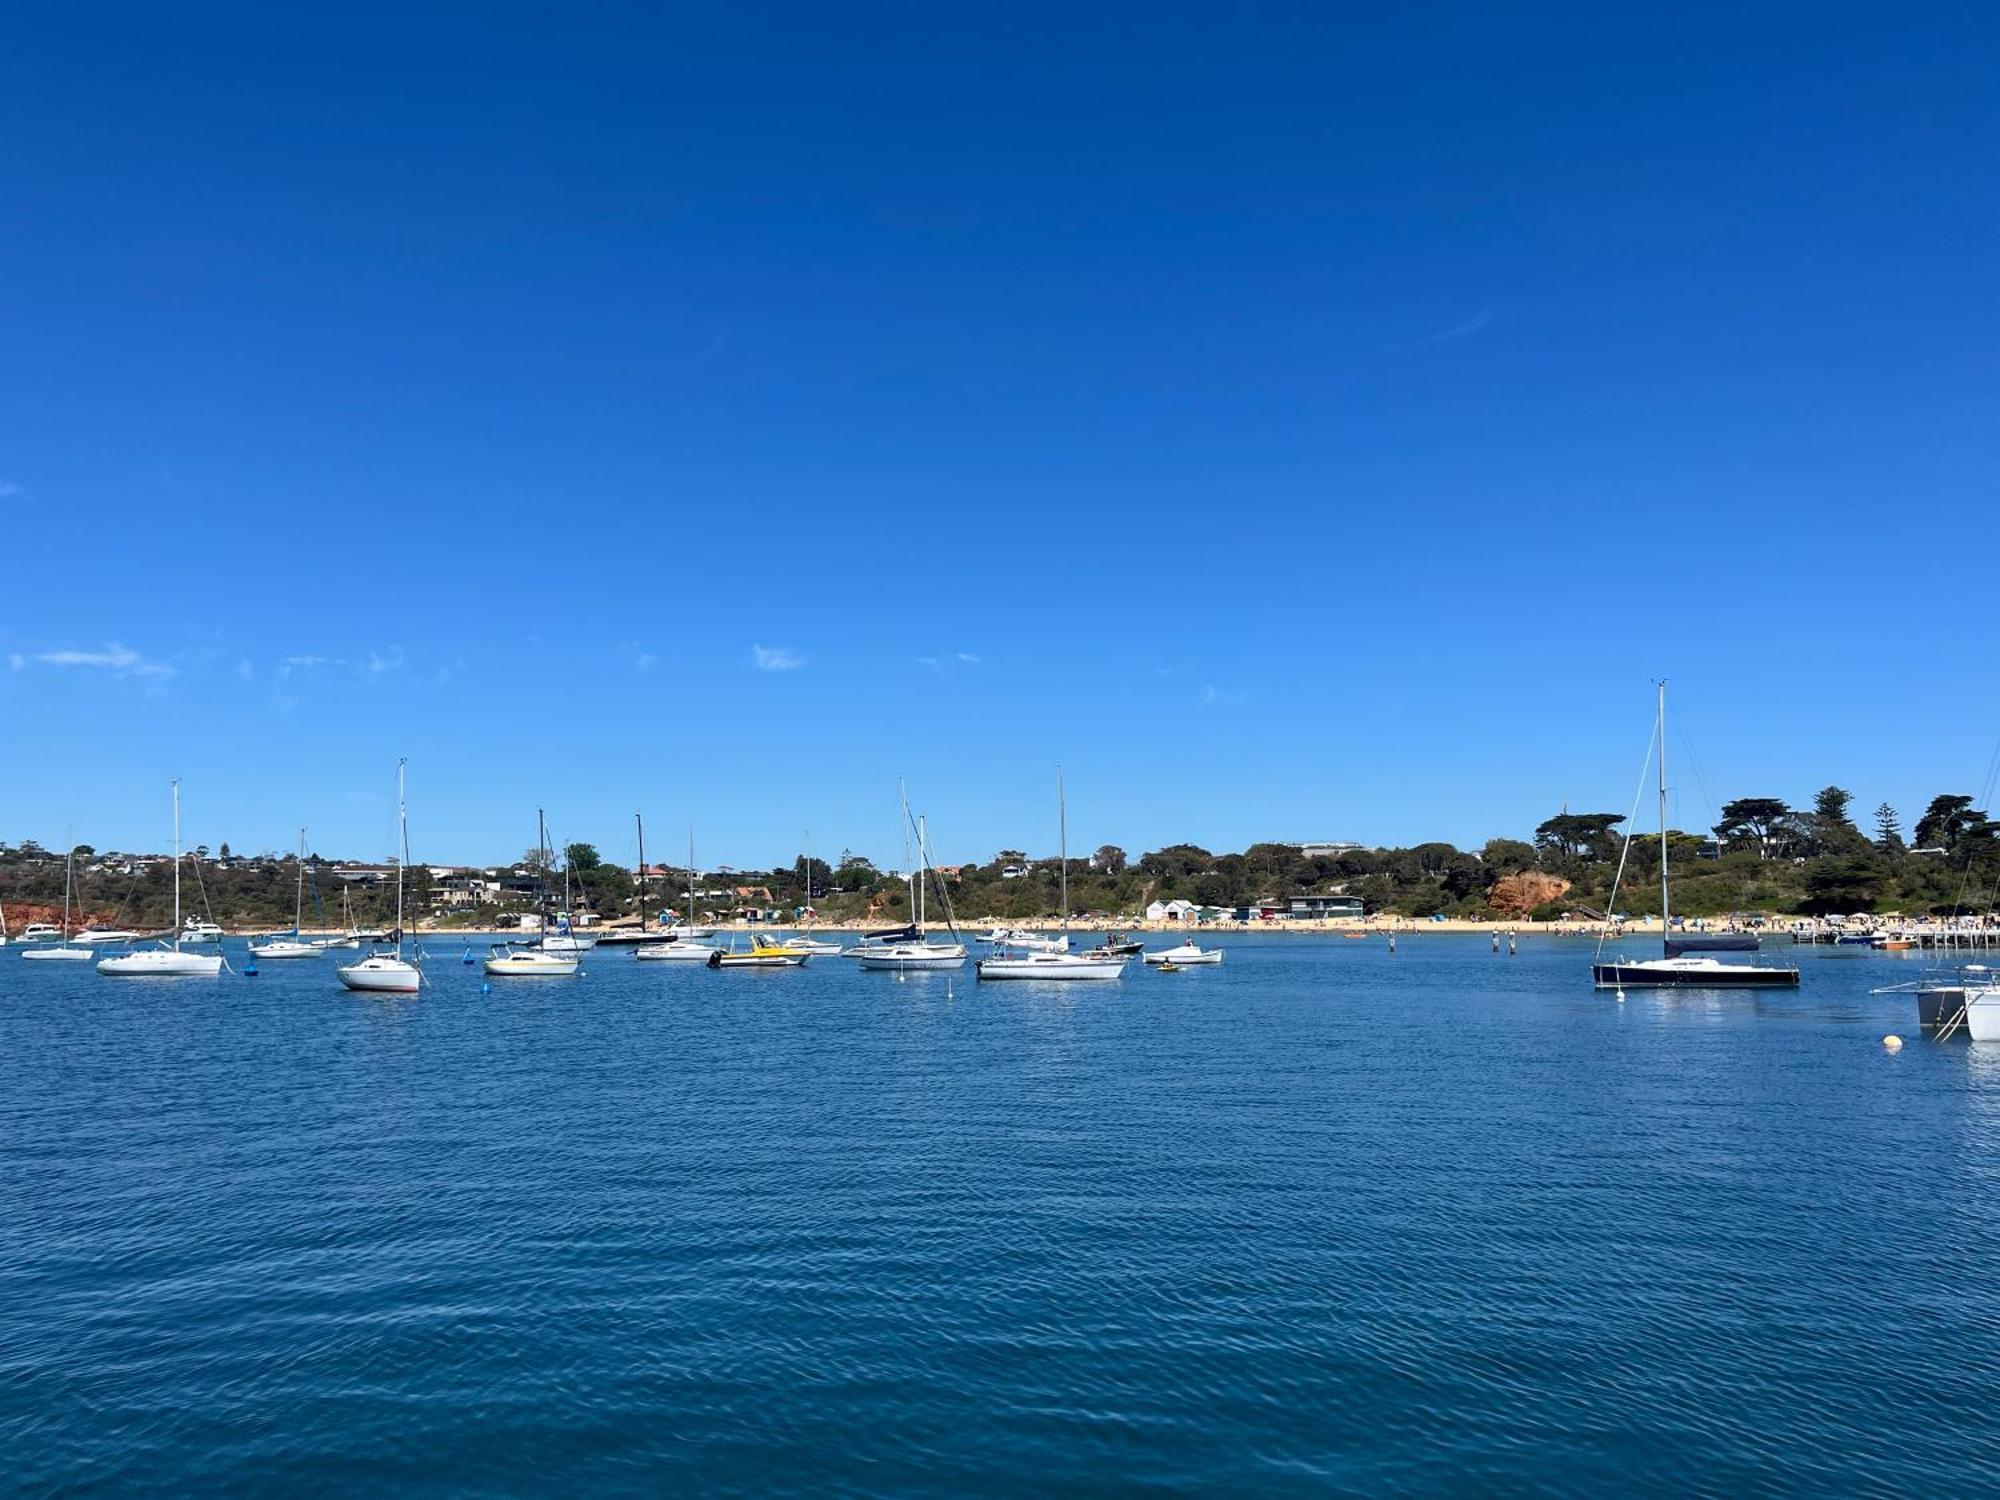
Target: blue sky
(1297, 421)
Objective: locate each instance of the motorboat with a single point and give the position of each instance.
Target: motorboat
(166, 961)
(107, 935)
(41, 932)
(805, 942)
(759, 955)
(1118, 945)
(564, 941)
(1185, 954)
(505, 961)
(385, 973)
(197, 931)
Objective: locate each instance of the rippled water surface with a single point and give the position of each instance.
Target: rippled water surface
(1323, 1217)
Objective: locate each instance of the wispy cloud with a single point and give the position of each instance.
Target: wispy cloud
(306, 662)
(776, 659)
(968, 658)
(957, 658)
(1211, 695)
(245, 670)
(932, 662)
(643, 662)
(8, 489)
(1463, 330)
(120, 660)
(383, 661)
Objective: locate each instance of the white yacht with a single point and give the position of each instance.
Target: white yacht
(1058, 964)
(41, 932)
(508, 962)
(389, 973)
(291, 944)
(165, 961)
(62, 949)
(197, 931)
(912, 950)
(1186, 953)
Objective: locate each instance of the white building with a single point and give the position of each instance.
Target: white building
(1172, 911)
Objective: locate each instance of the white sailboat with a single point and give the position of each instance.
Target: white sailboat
(1054, 964)
(389, 973)
(165, 961)
(1673, 970)
(63, 949)
(554, 956)
(918, 952)
(682, 945)
(291, 944)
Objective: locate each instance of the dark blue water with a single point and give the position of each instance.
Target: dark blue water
(1320, 1218)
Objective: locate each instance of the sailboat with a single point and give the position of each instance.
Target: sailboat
(165, 960)
(642, 935)
(64, 949)
(352, 938)
(1672, 970)
(1056, 964)
(564, 939)
(554, 956)
(681, 945)
(389, 973)
(291, 944)
(916, 952)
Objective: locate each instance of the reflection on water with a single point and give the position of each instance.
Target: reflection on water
(1438, 1220)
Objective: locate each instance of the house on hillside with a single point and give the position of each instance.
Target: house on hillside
(1172, 911)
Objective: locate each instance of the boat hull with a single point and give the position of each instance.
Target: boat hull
(1691, 975)
(75, 955)
(667, 953)
(720, 960)
(546, 966)
(285, 948)
(161, 963)
(1059, 967)
(948, 958)
(1181, 958)
(392, 976)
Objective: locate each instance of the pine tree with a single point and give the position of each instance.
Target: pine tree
(1888, 830)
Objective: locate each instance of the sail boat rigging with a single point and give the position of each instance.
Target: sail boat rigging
(912, 950)
(1059, 964)
(64, 949)
(389, 973)
(1672, 970)
(293, 943)
(681, 943)
(167, 959)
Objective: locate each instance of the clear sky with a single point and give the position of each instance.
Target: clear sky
(1298, 421)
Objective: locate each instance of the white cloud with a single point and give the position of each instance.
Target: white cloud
(643, 662)
(8, 489)
(776, 658)
(121, 660)
(1463, 330)
(379, 662)
(968, 658)
(932, 662)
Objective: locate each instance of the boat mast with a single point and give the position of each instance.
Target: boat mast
(1665, 923)
(177, 864)
(299, 897)
(69, 883)
(403, 864)
(923, 870)
(641, 821)
(1062, 844)
(542, 871)
(690, 877)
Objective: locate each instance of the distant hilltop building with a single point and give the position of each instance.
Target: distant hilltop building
(1322, 848)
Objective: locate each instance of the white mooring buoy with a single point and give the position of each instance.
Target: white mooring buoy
(1893, 1043)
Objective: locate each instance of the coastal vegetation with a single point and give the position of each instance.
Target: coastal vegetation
(1762, 855)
